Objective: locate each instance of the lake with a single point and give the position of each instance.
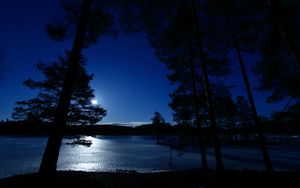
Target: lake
(22, 154)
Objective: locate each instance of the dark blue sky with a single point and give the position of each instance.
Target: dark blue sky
(129, 81)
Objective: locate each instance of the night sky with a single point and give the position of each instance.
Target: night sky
(129, 81)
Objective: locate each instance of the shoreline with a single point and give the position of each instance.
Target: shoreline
(174, 179)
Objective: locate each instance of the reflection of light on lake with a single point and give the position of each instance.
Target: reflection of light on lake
(84, 158)
(109, 153)
(19, 155)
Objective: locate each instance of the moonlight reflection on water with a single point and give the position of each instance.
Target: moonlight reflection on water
(124, 152)
(22, 154)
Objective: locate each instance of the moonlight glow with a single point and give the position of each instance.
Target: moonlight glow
(94, 102)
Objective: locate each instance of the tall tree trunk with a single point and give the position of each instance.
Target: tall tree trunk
(196, 103)
(50, 157)
(208, 92)
(285, 34)
(259, 128)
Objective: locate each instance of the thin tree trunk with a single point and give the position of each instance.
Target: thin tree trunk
(210, 104)
(196, 103)
(285, 34)
(259, 128)
(50, 157)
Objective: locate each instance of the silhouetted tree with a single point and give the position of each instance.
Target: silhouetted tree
(263, 25)
(157, 122)
(278, 68)
(286, 21)
(183, 108)
(237, 47)
(157, 119)
(178, 40)
(86, 21)
(280, 64)
(174, 47)
(181, 104)
(50, 157)
(278, 26)
(43, 106)
(271, 29)
(225, 109)
(230, 22)
(207, 85)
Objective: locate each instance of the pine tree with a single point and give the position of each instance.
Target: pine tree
(175, 48)
(42, 107)
(182, 106)
(157, 122)
(278, 68)
(157, 119)
(225, 108)
(285, 18)
(85, 22)
(237, 48)
(50, 157)
(177, 39)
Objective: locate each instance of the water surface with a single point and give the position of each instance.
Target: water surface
(23, 154)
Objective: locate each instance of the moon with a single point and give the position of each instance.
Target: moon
(94, 102)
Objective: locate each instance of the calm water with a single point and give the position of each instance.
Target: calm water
(107, 153)
(19, 155)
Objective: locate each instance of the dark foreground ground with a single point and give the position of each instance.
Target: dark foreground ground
(184, 179)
